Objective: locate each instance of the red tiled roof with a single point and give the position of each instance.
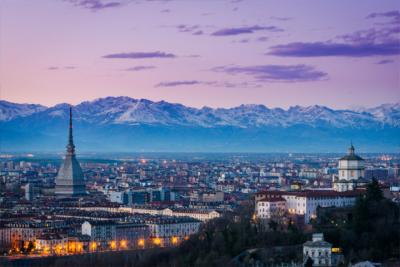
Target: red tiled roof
(273, 199)
(312, 193)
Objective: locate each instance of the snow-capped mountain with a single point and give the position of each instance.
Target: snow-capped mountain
(9, 111)
(387, 113)
(125, 123)
(125, 110)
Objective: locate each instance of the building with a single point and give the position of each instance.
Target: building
(201, 214)
(29, 192)
(131, 235)
(116, 235)
(117, 196)
(212, 197)
(140, 196)
(167, 231)
(52, 244)
(351, 172)
(19, 233)
(305, 202)
(101, 233)
(69, 180)
(267, 208)
(78, 243)
(318, 250)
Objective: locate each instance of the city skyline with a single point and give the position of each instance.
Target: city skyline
(219, 54)
(154, 133)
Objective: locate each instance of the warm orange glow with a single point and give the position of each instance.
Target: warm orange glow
(123, 244)
(336, 250)
(186, 237)
(113, 244)
(157, 241)
(141, 242)
(93, 246)
(72, 247)
(174, 240)
(58, 249)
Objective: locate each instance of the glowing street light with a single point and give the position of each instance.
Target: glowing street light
(79, 247)
(93, 246)
(141, 242)
(58, 249)
(157, 241)
(123, 244)
(113, 245)
(174, 240)
(46, 250)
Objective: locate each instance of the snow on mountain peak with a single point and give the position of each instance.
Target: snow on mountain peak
(126, 110)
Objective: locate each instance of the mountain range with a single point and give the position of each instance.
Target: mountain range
(123, 124)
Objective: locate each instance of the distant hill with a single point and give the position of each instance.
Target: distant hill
(123, 124)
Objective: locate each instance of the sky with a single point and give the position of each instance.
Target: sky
(222, 53)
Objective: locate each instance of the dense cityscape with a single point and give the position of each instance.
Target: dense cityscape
(58, 207)
(219, 133)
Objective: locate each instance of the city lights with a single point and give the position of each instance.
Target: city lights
(157, 241)
(93, 246)
(141, 242)
(174, 240)
(123, 244)
(113, 244)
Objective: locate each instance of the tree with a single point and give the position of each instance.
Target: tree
(273, 225)
(309, 262)
(374, 192)
(31, 247)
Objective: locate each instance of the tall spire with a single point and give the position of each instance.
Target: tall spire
(70, 180)
(351, 148)
(70, 146)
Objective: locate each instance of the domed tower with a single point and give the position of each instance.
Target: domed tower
(69, 180)
(351, 171)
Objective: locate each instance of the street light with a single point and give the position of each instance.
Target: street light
(157, 241)
(174, 240)
(123, 244)
(141, 242)
(93, 246)
(113, 245)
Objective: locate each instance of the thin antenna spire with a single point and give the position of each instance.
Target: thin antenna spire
(70, 146)
(70, 117)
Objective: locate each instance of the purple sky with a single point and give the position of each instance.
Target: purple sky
(342, 54)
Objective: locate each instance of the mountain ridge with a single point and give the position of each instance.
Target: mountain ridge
(129, 110)
(127, 124)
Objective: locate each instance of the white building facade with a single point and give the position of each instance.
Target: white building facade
(318, 250)
(351, 172)
(306, 202)
(265, 209)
